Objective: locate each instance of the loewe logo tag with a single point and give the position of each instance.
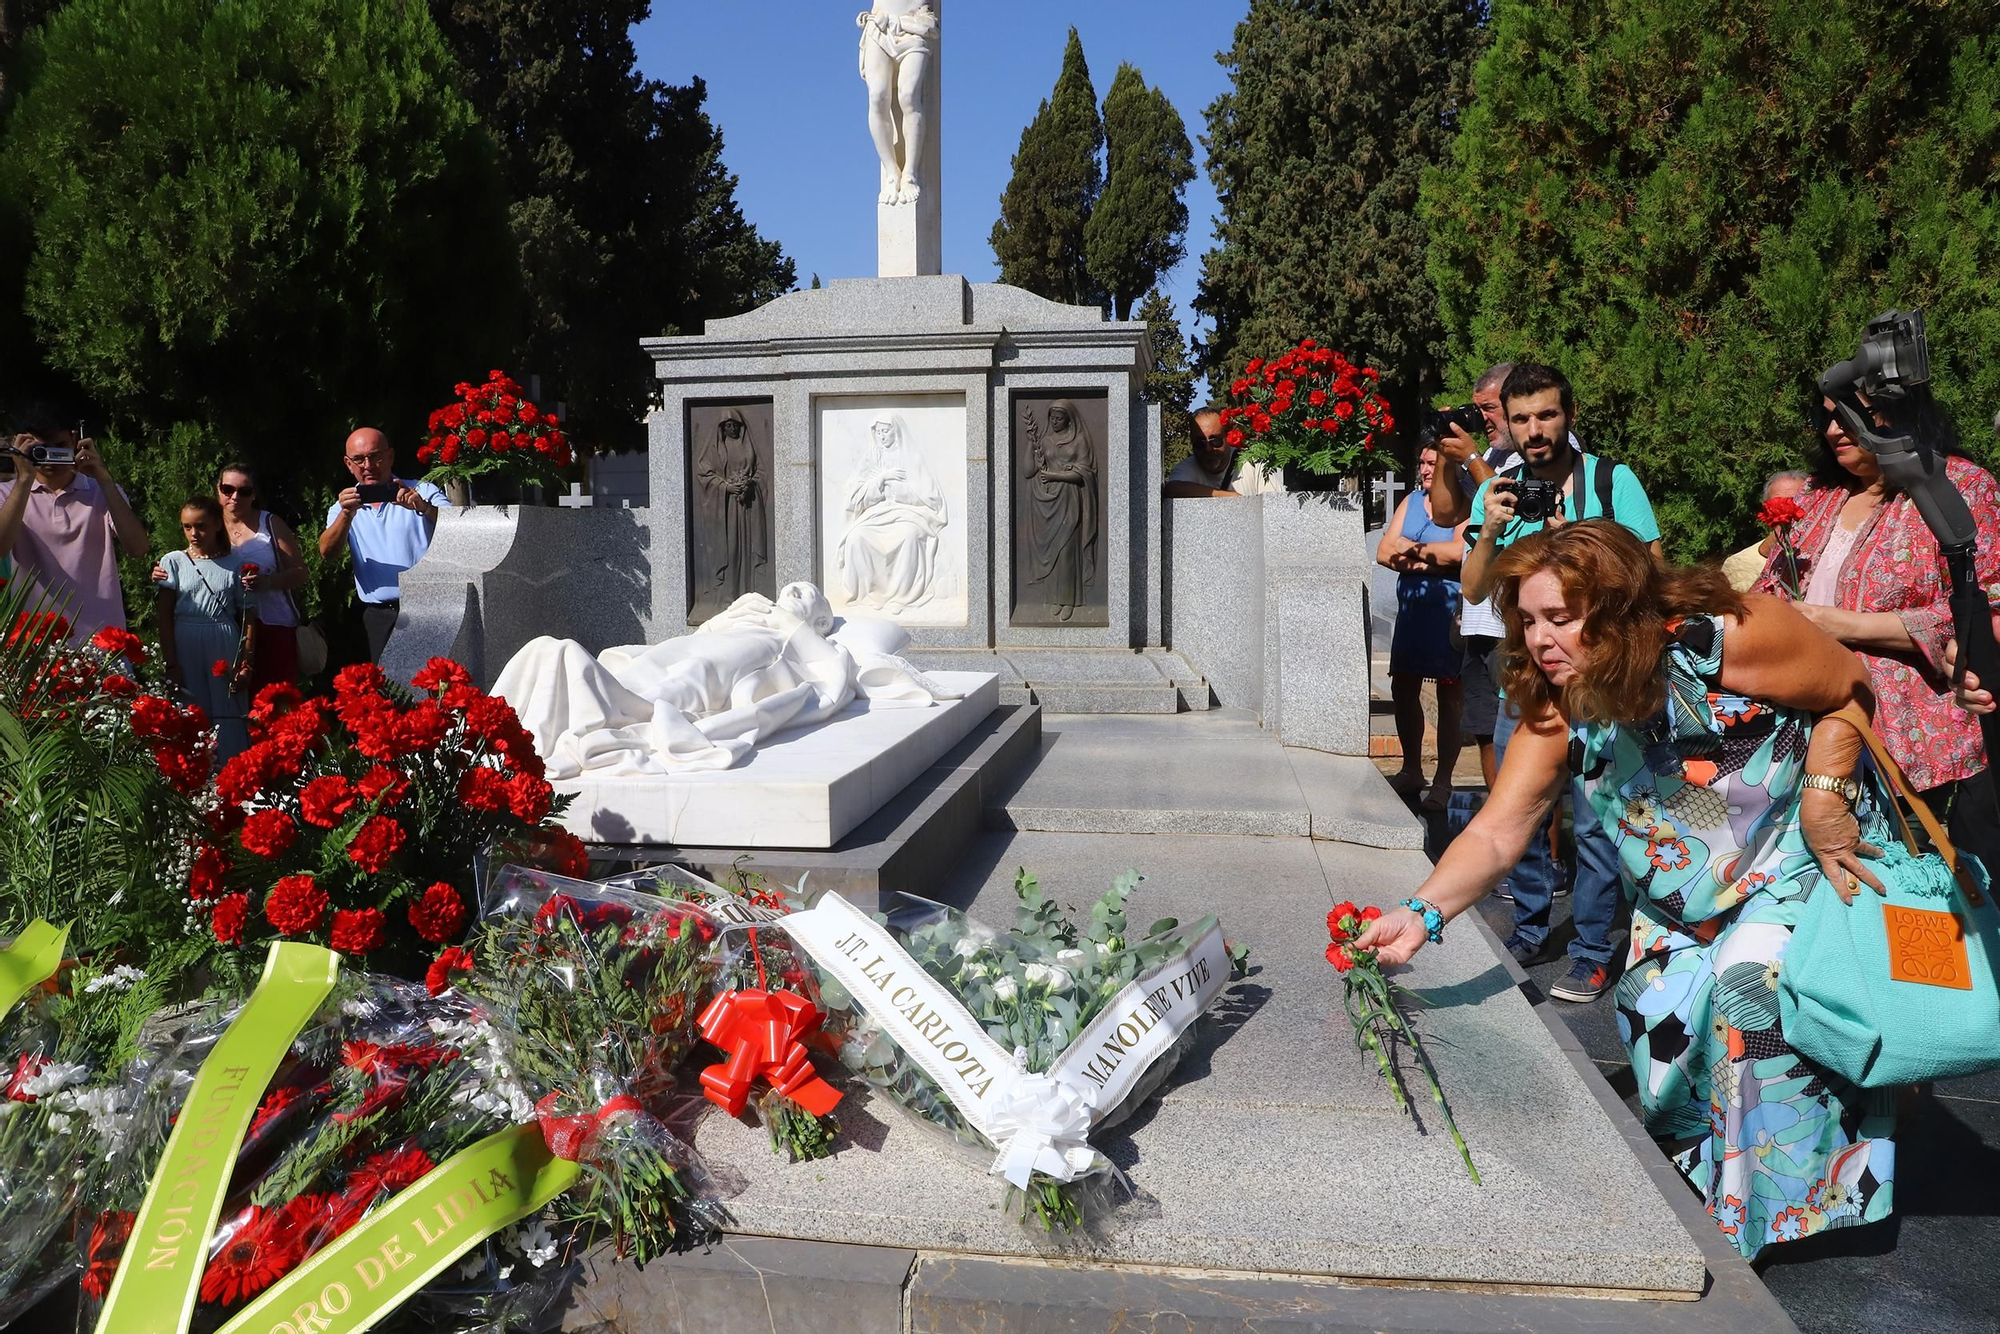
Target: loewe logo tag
(1926, 947)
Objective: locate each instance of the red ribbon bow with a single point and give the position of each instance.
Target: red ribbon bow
(764, 1033)
(571, 1138)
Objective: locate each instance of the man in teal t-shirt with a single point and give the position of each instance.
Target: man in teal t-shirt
(1540, 407)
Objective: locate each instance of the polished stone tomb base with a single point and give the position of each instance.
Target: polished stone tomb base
(803, 789)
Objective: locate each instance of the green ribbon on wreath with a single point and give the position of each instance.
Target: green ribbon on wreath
(375, 1267)
(159, 1278)
(30, 961)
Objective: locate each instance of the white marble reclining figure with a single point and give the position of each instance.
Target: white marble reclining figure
(707, 700)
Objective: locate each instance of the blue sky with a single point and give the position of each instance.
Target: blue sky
(785, 88)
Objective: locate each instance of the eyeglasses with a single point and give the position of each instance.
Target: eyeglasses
(228, 490)
(375, 456)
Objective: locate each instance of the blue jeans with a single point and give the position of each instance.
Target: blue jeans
(1596, 893)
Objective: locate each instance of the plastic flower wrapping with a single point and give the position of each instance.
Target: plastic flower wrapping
(597, 992)
(73, 1120)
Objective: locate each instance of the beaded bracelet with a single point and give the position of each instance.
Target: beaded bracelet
(1433, 919)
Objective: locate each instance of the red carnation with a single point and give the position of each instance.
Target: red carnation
(384, 786)
(453, 961)
(1339, 958)
(1234, 439)
(374, 844)
(1779, 512)
(268, 833)
(155, 719)
(294, 905)
(231, 911)
(567, 855)
(360, 679)
(483, 789)
(205, 874)
(275, 701)
(422, 728)
(357, 930)
(530, 798)
(244, 776)
(120, 687)
(439, 914)
(326, 801)
(1343, 409)
(119, 643)
(441, 672)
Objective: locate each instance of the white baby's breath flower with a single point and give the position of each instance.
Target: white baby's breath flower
(1006, 989)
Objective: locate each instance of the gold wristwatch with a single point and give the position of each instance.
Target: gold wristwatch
(1847, 789)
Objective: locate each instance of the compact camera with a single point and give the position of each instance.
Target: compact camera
(1535, 500)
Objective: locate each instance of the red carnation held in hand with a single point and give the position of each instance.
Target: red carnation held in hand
(1780, 511)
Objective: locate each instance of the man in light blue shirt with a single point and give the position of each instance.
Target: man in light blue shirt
(386, 523)
(1540, 407)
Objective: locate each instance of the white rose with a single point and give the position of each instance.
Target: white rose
(1006, 989)
(1070, 958)
(1047, 975)
(966, 947)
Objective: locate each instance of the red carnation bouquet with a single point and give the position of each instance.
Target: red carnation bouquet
(355, 821)
(494, 430)
(1779, 515)
(1375, 1003)
(1310, 408)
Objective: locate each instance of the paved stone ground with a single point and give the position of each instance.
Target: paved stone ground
(1934, 1266)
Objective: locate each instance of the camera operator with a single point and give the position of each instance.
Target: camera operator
(64, 523)
(386, 524)
(1554, 485)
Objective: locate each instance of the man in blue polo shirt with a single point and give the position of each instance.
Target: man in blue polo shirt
(1540, 408)
(386, 523)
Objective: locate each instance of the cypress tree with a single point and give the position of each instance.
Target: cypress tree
(1170, 379)
(1693, 206)
(1317, 152)
(1138, 230)
(1039, 238)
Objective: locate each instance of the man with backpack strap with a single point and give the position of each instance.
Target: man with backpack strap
(1540, 407)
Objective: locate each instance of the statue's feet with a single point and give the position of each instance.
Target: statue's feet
(908, 191)
(1064, 613)
(892, 186)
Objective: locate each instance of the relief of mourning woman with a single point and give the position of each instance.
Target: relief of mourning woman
(733, 515)
(1060, 511)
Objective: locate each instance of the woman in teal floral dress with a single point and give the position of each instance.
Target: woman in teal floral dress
(1695, 716)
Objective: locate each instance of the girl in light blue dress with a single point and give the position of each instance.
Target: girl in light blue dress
(207, 624)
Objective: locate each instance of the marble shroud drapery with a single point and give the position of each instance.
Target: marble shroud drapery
(705, 700)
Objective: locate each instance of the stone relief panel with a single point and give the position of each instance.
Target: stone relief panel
(1060, 574)
(729, 505)
(893, 526)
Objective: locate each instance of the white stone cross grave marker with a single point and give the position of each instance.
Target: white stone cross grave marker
(576, 499)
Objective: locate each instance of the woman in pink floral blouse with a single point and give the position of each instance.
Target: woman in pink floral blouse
(1872, 578)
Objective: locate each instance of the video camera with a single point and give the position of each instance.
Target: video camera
(1881, 395)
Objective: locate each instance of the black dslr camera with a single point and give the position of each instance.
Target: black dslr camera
(1468, 419)
(1535, 500)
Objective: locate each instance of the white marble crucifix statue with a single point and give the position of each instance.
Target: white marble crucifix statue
(902, 63)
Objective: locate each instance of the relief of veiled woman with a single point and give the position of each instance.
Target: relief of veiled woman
(1061, 509)
(735, 529)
